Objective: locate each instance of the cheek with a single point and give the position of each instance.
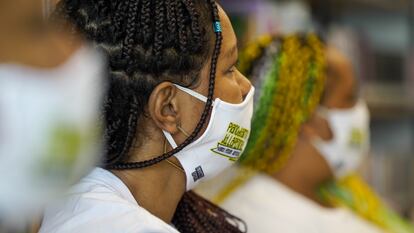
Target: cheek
(191, 114)
(228, 90)
(321, 170)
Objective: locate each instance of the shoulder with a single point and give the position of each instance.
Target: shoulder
(100, 203)
(264, 203)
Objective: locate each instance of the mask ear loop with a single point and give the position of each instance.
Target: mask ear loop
(169, 161)
(192, 93)
(183, 131)
(165, 149)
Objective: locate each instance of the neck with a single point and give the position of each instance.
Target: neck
(157, 188)
(304, 173)
(298, 183)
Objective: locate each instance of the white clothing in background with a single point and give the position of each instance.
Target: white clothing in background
(282, 17)
(101, 203)
(267, 206)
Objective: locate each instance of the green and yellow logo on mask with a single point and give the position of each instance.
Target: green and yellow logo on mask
(233, 143)
(357, 138)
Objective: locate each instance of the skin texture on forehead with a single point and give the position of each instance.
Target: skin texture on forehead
(226, 89)
(237, 89)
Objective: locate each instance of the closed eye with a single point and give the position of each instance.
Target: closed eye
(232, 69)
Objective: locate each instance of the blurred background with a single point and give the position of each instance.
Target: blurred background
(378, 36)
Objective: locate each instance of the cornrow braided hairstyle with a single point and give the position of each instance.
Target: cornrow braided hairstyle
(289, 76)
(148, 42)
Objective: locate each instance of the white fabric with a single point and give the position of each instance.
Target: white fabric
(101, 203)
(193, 93)
(268, 206)
(49, 131)
(221, 144)
(350, 143)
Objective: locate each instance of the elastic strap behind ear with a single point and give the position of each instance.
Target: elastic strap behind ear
(170, 139)
(192, 93)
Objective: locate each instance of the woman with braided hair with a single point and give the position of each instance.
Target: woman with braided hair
(177, 112)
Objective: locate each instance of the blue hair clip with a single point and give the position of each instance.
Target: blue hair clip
(217, 26)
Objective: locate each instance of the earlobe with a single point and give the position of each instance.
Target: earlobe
(317, 126)
(163, 107)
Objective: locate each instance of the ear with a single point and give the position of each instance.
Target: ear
(163, 107)
(317, 127)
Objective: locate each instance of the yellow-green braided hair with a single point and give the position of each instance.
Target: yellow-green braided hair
(288, 92)
(289, 76)
(354, 193)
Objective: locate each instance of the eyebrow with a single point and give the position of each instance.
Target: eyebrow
(232, 51)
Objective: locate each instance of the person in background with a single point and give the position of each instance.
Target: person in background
(275, 189)
(174, 97)
(345, 122)
(50, 93)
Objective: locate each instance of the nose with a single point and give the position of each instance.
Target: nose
(244, 83)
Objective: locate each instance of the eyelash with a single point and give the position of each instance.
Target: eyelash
(232, 69)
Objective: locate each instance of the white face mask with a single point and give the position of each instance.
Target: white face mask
(221, 144)
(350, 128)
(49, 129)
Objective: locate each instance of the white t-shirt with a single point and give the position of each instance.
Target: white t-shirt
(101, 203)
(280, 209)
(268, 206)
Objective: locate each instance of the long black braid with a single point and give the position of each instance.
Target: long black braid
(148, 42)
